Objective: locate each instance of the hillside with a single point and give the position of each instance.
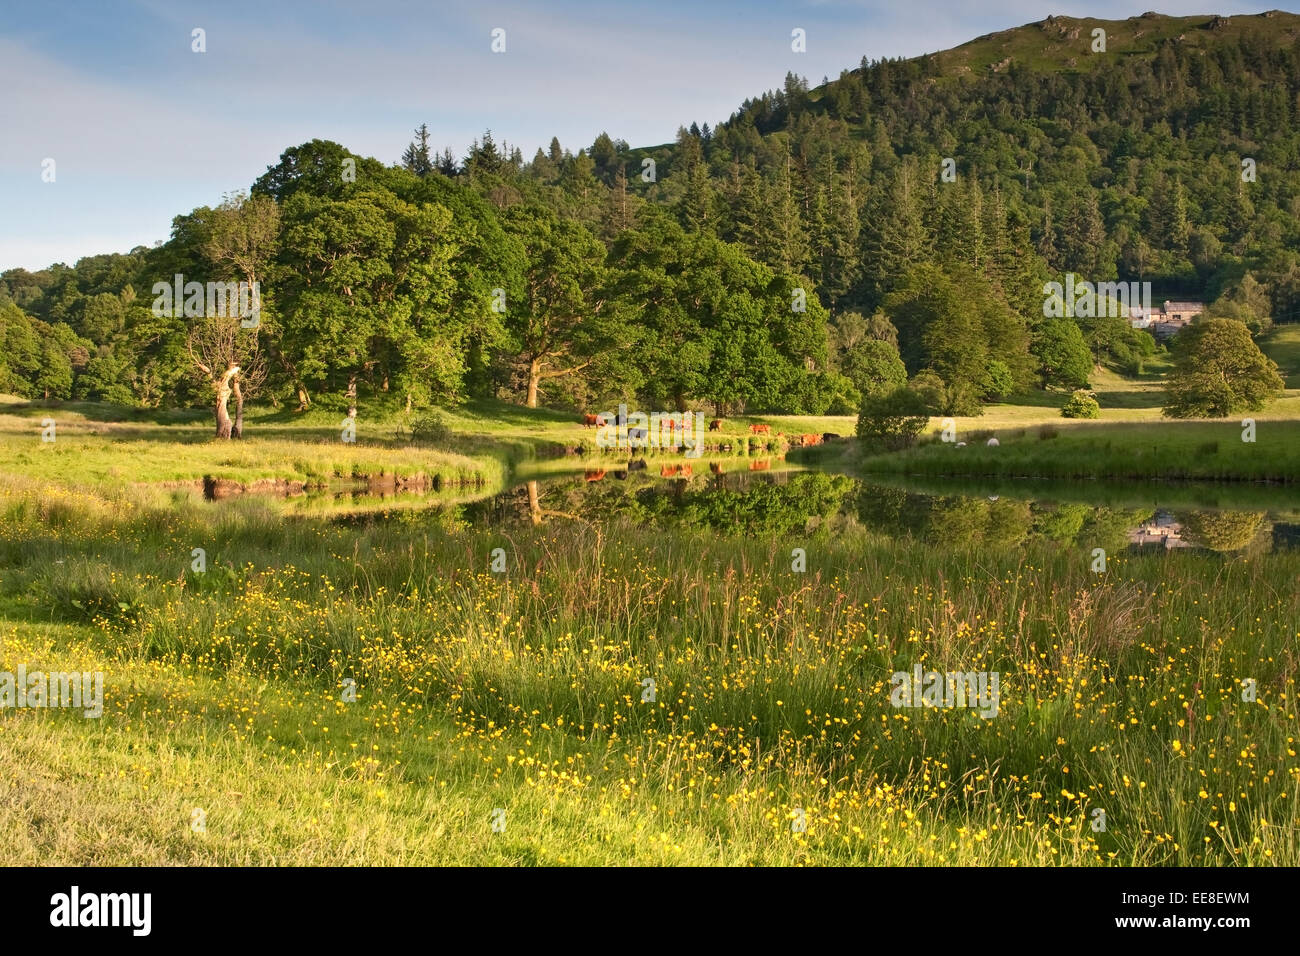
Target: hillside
(914, 208)
(1060, 43)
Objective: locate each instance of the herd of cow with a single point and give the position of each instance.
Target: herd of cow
(684, 470)
(805, 441)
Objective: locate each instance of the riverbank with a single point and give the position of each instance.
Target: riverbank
(1167, 450)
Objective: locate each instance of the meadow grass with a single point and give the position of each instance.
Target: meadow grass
(94, 446)
(524, 691)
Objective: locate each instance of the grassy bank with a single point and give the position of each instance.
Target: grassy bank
(1201, 450)
(96, 445)
(524, 691)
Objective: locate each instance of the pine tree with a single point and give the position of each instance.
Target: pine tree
(748, 212)
(541, 168)
(618, 207)
(447, 164)
(1047, 241)
(1179, 228)
(484, 158)
(1082, 237)
(699, 201)
(787, 222)
(973, 225)
(842, 240)
(417, 158)
(899, 240)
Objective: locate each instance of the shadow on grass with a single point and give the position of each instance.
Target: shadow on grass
(1148, 399)
(109, 414)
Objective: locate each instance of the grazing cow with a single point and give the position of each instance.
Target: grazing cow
(830, 436)
(594, 475)
(763, 465)
(809, 440)
(715, 425)
(621, 475)
(675, 471)
(761, 429)
(993, 443)
(589, 420)
(715, 467)
(636, 465)
(637, 434)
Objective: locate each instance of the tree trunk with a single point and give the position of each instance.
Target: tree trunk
(303, 400)
(224, 424)
(352, 397)
(534, 504)
(534, 379)
(238, 430)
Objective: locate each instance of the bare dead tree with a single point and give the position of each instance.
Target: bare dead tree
(243, 235)
(229, 357)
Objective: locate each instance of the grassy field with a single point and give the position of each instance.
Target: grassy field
(95, 444)
(99, 444)
(227, 736)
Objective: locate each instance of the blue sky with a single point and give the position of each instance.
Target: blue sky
(142, 128)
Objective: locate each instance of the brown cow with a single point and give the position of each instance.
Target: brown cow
(715, 425)
(589, 420)
(808, 440)
(715, 467)
(760, 465)
(594, 475)
(761, 429)
(675, 471)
